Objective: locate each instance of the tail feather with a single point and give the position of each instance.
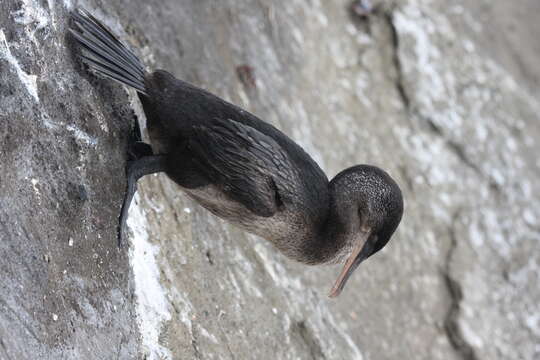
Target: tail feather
(96, 55)
(104, 53)
(106, 38)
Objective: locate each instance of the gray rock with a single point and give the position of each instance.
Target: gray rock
(422, 88)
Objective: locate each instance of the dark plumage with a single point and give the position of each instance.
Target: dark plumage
(245, 170)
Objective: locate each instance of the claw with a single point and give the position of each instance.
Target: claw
(131, 188)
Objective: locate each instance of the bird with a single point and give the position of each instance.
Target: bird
(242, 169)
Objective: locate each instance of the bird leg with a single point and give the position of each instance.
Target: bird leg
(134, 171)
(139, 149)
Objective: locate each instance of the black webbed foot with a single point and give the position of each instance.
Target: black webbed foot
(134, 171)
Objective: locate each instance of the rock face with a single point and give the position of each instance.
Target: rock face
(444, 95)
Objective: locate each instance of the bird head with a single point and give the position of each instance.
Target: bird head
(368, 205)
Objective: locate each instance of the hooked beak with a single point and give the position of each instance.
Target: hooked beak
(360, 252)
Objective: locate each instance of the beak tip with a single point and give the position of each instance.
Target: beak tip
(360, 252)
(334, 293)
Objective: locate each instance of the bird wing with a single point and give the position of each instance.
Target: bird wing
(246, 164)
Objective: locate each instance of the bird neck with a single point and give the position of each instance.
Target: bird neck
(328, 243)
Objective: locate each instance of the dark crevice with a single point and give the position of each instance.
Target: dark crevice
(388, 16)
(459, 150)
(315, 350)
(385, 13)
(451, 321)
(434, 127)
(460, 153)
(451, 325)
(455, 147)
(209, 257)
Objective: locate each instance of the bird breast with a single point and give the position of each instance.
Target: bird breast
(283, 229)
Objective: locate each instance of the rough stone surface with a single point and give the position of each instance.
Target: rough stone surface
(444, 95)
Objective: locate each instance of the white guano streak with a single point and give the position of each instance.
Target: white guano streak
(152, 305)
(29, 81)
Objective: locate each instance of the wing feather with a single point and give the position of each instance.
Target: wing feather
(249, 166)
